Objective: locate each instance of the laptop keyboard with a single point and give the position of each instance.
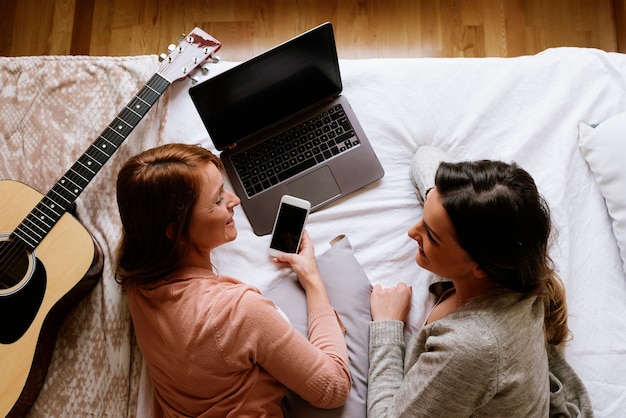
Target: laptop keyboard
(291, 152)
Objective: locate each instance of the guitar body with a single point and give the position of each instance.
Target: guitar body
(69, 265)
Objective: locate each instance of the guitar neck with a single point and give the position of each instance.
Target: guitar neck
(34, 228)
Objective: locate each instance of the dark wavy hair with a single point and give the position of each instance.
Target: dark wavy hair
(503, 223)
(156, 192)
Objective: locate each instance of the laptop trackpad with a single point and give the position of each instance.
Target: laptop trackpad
(316, 187)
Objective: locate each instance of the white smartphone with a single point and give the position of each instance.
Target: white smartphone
(289, 225)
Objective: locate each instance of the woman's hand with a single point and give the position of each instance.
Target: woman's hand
(392, 303)
(305, 267)
(303, 263)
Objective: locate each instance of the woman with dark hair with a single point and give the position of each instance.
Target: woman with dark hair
(213, 345)
(488, 346)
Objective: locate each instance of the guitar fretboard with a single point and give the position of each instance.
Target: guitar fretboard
(33, 229)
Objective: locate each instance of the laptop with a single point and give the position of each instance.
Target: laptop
(282, 127)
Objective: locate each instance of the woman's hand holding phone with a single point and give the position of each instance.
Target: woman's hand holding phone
(305, 266)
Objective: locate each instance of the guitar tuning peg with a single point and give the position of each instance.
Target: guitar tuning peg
(215, 59)
(171, 47)
(162, 57)
(205, 69)
(194, 79)
(181, 37)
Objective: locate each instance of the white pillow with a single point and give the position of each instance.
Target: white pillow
(604, 149)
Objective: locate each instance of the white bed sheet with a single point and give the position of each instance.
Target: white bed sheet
(523, 109)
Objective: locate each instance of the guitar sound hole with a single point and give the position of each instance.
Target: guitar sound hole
(15, 263)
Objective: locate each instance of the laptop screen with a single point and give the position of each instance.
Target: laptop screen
(270, 87)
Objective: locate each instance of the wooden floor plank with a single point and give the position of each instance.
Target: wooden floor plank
(363, 28)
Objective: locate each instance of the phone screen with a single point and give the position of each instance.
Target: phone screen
(288, 229)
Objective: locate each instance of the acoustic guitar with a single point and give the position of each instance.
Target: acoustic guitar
(48, 260)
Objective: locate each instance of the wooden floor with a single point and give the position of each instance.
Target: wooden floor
(363, 28)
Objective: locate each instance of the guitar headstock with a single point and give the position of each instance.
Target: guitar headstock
(193, 51)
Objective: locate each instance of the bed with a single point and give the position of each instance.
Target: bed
(559, 114)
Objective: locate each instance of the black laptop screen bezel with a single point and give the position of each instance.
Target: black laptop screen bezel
(265, 90)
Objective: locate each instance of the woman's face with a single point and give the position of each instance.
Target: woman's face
(212, 222)
(438, 249)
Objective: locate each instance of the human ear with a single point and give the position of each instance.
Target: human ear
(478, 272)
(169, 231)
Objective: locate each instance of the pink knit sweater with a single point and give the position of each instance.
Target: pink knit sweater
(215, 347)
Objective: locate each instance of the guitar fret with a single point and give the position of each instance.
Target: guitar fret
(100, 150)
(53, 205)
(96, 153)
(139, 98)
(49, 212)
(84, 170)
(109, 138)
(126, 122)
(148, 97)
(69, 202)
(130, 117)
(86, 167)
(76, 191)
(35, 224)
(80, 177)
(76, 179)
(148, 87)
(122, 129)
(131, 110)
(110, 141)
(116, 132)
(89, 159)
(137, 107)
(27, 239)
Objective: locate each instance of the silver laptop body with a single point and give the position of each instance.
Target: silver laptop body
(282, 127)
